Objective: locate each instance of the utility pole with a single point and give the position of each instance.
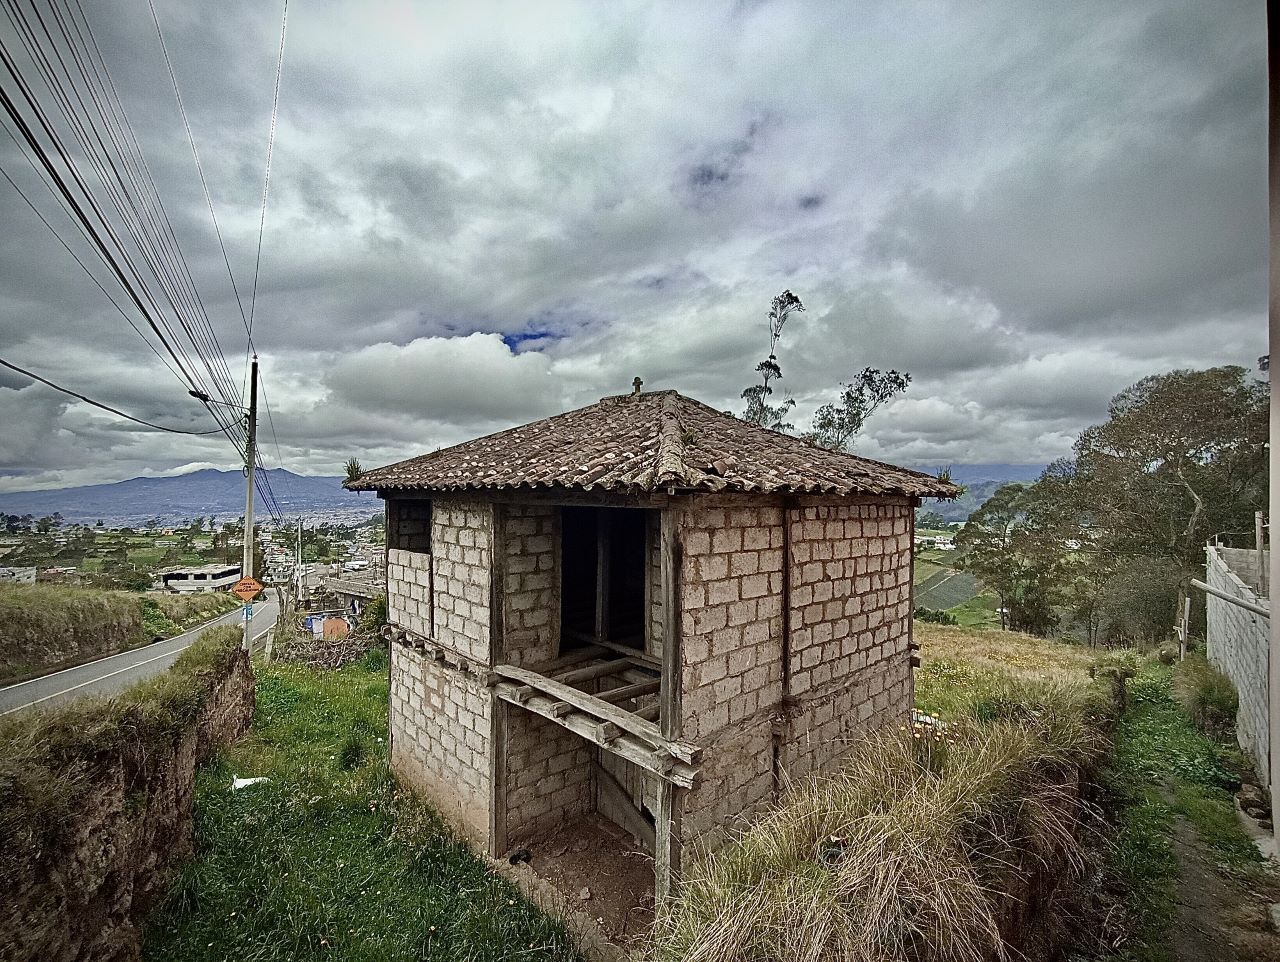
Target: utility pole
(250, 456)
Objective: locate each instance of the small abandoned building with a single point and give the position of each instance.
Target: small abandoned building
(645, 611)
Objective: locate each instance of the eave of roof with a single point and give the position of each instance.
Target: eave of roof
(643, 443)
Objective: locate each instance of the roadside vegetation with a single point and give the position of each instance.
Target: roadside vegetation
(52, 762)
(328, 859)
(44, 628)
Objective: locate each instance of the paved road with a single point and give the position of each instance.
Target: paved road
(109, 675)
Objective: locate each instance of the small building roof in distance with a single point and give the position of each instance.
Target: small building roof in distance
(647, 442)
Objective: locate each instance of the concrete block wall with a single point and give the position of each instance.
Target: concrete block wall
(440, 731)
(849, 655)
(409, 595)
(731, 657)
(462, 546)
(548, 775)
(731, 615)
(1238, 643)
(531, 584)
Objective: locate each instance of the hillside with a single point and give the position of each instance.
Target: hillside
(980, 482)
(200, 493)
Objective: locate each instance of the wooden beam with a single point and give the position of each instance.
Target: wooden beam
(626, 746)
(668, 849)
(549, 668)
(650, 712)
(617, 804)
(613, 667)
(602, 574)
(672, 677)
(630, 691)
(637, 654)
(591, 705)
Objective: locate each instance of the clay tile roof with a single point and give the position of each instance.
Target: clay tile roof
(647, 442)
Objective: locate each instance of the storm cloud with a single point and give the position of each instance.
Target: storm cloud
(485, 213)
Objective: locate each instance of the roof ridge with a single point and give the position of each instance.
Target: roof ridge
(671, 467)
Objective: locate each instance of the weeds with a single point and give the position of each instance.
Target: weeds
(1206, 695)
(1164, 768)
(49, 760)
(329, 858)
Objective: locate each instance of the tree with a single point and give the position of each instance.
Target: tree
(1181, 458)
(836, 423)
(1011, 547)
(759, 411)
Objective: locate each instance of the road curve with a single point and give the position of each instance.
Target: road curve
(109, 675)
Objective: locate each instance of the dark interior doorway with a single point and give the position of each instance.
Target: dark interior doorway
(602, 576)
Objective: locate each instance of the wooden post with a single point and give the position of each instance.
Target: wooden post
(668, 848)
(668, 845)
(1259, 544)
(603, 519)
(498, 710)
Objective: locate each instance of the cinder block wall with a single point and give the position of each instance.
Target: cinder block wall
(461, 543)
(548, 775)
(409, 601)
(764, 716)
(731, 657)
(440, 726)
(440, 712)
(850, 627)
(1239, 643)
(531, 583)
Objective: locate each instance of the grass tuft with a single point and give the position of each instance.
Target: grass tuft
(924, 843)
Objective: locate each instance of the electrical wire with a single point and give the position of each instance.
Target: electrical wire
(99, 404)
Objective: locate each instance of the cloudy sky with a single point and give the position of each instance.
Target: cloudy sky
(482, 214)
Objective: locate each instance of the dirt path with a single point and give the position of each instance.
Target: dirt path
(1221, 917)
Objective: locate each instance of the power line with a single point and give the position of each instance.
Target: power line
(266, 178)
(99, 404)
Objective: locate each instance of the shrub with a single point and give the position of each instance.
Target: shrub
(935, 616)
(374, 615)
(1206, 695)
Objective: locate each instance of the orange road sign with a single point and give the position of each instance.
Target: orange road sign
(246, 588)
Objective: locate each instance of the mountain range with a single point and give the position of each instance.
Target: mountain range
(220, 494)
(204, 493)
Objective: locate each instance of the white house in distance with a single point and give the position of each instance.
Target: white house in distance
(186, 581)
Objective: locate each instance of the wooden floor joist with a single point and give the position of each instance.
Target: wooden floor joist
(602, 710)
(626, 746)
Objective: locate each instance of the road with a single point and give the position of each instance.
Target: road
(112, 674)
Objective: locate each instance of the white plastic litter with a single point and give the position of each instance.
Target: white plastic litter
(238, 783)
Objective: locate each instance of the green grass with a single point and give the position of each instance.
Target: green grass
(947, 589)
(978, 612)
(329, 859)
(1164, 767)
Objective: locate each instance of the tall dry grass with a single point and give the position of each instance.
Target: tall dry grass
(923, 845)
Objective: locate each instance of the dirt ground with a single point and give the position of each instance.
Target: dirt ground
(1222, 916)
(594, 857)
